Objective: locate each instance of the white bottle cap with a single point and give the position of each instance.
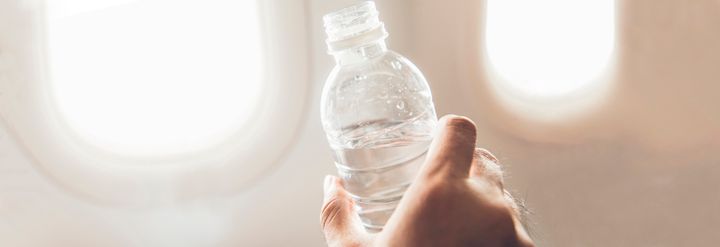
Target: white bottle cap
(352, 26)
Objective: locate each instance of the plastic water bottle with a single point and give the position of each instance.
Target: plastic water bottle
(377, 112)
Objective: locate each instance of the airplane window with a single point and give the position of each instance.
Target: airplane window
(155, 76)
(134, 100)
(549, 49)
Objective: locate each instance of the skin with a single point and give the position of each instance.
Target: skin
(457, 199)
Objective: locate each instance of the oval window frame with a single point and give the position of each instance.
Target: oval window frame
(26, 108)
(570, 107)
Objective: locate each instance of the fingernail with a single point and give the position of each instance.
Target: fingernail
(488, 155)
(491, 157)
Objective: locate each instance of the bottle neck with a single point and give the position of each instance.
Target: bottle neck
(360, 53)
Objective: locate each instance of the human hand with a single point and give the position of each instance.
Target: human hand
(457, 199)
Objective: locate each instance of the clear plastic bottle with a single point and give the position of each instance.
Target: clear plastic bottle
(377, 112)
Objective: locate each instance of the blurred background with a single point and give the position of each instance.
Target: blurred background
(196, 123)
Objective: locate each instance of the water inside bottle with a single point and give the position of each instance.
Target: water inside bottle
(378, 174)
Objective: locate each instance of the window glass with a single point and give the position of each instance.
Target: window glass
(549, 48)
(149, 77)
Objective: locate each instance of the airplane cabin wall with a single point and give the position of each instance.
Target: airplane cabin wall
(640, 170)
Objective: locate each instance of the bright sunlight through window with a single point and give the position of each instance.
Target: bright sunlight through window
(550, 48)
(155, 77)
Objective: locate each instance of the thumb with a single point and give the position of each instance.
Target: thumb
(339, 223)
(451, 151)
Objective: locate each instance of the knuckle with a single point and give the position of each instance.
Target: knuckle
(439, 190)
(502, 205)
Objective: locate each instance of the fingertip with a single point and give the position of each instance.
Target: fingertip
(328, 182)
(452, 149)
(331, 187)
(486, 166)
(457, 131)
(462, 124)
